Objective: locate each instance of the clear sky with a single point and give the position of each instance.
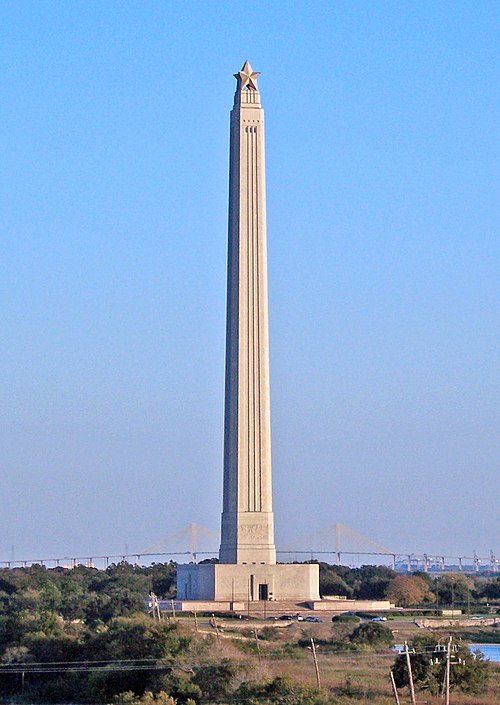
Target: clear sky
(384, 268)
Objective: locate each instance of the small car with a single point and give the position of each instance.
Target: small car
(312, 619)
(378, 619)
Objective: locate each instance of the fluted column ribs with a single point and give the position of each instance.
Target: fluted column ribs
(247, 519)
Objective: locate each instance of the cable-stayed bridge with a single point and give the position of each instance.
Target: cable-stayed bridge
(334, 543)
(337, 544)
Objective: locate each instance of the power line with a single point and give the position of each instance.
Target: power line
(144, 662)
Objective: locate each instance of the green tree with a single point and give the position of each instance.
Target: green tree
(216, 680)
(490, 590)
(181, 688)
(454, 588)
(468, 673)
(139, 637)
(374, 582)
(163, 577)
(330, 583)
(372, 634)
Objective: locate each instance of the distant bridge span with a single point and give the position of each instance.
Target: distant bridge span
(336, 543)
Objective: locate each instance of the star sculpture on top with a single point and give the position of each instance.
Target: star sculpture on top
(247, 77)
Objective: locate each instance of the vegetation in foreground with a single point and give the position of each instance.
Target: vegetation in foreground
(83, 636)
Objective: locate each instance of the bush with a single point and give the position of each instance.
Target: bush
(350, 689)
(328, 645)
(280, 691)
(468, 674)
(346, 618)
(272, 634)
(181, 688)
(372, 634)
(128, 698)
(215, 680)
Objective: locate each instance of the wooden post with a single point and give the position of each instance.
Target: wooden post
(216, 629)
(195, 621)
(257, 644)
(410, 674)
(155, 607)
(173, 610)
(394, 689)
(448, 664)
(316, 667)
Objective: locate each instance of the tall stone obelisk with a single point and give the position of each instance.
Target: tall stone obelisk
(247, 517)
(247, 569)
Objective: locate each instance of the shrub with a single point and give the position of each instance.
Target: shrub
(280, 691)
(346, 618)
(372, 634)
(215, 680)
(468, 674)
(181, 688)
(128, 698)
(272, 634)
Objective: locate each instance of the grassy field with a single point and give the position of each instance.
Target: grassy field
(350, 677)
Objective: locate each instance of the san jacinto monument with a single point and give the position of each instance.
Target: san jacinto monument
(247, 568)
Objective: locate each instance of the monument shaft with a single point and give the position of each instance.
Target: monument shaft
(247, 569)
(247, 518)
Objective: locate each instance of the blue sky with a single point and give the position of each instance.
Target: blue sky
(382, 178)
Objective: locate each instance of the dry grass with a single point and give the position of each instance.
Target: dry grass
(353, 678)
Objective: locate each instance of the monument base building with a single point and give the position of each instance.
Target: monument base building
(219, 582)
(247, 570)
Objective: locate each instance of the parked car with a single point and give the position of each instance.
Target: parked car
(378, 619)
(312, 619)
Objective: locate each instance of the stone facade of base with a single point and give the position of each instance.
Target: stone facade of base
(330, 604)
(247, 583)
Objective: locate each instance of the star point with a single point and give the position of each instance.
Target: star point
(247, 77)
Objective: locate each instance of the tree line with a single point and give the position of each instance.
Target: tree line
(84, 635)
(409, 590)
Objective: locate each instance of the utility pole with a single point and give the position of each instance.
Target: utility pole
(195, 621)
(257, 644)
(410, 674)
(316, 667)
(217, 633)
(394, 689)
(155, 607)
(448, 665)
